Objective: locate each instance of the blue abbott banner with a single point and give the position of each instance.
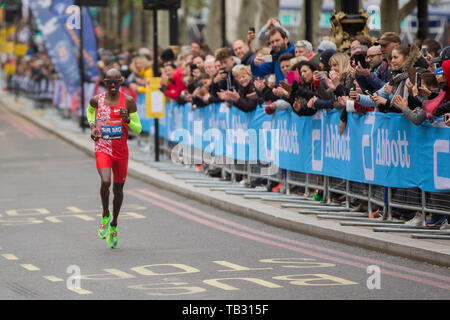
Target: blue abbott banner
(376, 148)
(64, 10)
(57, 43)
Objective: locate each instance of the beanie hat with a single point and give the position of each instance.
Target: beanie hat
(326, 56)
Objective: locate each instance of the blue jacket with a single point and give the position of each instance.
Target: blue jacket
(273, 67)
(377, 79)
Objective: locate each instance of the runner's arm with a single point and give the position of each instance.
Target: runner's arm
(134, 123)
(90, 112)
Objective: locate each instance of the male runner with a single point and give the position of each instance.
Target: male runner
(110, 114)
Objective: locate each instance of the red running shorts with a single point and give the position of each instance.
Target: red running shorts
(119, 166)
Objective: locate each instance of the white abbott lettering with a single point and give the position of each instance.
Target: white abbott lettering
(288, 138)
(337, 146)
(392, 152)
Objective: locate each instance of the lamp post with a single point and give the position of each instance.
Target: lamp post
(171, 5)
(348, 22)
(224, 24)
(422, 16)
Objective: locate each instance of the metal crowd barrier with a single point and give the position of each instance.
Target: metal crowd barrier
(305, 185)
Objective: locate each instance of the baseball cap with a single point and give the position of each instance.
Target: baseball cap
(326, 44)
(444, 54)
(388, 37)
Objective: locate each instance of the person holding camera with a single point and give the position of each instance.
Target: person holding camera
(244, 97)
(374, 73)
(279, 43)
(224, 79)
(202, 96)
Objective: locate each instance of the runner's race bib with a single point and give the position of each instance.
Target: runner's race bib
(112, 131)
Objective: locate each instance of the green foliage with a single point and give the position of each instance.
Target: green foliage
(196, 5)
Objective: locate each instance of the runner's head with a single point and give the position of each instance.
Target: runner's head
(113, 80)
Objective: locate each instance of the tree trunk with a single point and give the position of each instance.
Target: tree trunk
(316, 9)
(184, 28)
(213, 34)
(163, 28)
(389, 14)
(136, 30)
(407, 9)
(246, 18)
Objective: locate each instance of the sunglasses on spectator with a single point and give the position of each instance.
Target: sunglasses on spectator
(109, 82)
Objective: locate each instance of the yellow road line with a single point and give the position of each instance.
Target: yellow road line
(9, 256)
(30, 267)
(53, 278)
(80, 291)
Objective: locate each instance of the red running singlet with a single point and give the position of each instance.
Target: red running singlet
(111, 150)
(114, 131)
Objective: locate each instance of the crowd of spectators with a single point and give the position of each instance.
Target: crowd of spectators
(380, 75)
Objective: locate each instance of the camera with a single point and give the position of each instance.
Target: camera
(444, 55)
(361, 58)
(418, 80)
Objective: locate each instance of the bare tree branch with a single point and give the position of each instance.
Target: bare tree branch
(407, 9)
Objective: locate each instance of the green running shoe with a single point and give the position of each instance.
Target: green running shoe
(112, 239)
(103, 228)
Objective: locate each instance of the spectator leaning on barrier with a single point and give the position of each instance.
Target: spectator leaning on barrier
(338, 83)
(224, 80)
(403, 71)
(433, 108)
(440, 105)
(376, 75)
(202, 96)
(305, 90)
(280, 44)
(412, 107)
(172, 84)
(245, 97)
(280, 96)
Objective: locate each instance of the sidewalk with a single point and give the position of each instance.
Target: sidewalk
(271, 208)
